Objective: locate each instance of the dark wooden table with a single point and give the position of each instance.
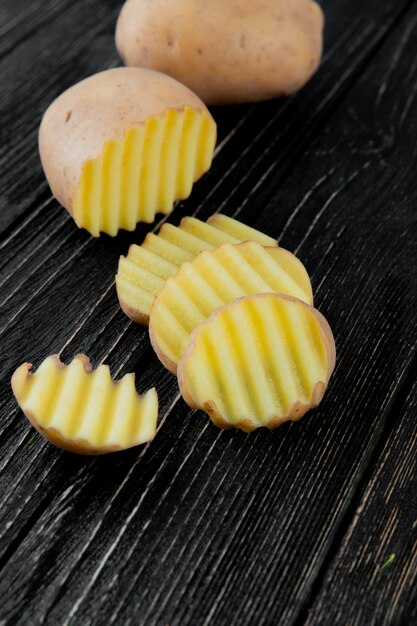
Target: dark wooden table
(312, 524)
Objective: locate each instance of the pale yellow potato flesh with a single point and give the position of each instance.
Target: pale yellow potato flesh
(85, 411)
(144, 271)
(259, 361)
(123, 145)
(226, 52)
(213, 279)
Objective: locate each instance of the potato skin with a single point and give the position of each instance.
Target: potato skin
(226, 52)
(98, 109)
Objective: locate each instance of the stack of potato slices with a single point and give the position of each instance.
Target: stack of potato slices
(231, 314)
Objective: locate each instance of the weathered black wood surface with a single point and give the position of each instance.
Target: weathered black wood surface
(204, 527)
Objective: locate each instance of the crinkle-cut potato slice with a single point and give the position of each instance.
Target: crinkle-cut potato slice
(144, 271)
(213, 279)
(123, 145)
(259, 361)
(85, 411)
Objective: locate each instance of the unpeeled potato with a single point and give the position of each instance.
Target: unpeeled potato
(225, 51)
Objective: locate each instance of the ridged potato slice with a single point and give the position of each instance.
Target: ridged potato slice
(85, 411)
(144, 271)
(259, 361)
(215, 278)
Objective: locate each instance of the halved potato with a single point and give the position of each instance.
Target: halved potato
(123, 145)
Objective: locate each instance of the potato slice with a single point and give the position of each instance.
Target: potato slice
(259, 361)
(123, 145)
(213, 279)
(85, 411)
(144, 271)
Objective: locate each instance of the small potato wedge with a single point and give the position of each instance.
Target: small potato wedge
(85, 411)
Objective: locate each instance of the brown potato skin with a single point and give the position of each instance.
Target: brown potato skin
(101, 108)
(297, 410)
(225, 51)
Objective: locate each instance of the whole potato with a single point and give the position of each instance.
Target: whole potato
(226, 51)
(124, 144)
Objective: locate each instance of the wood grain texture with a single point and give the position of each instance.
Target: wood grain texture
(366, 584)
(20, 19)
(204, 526)
(71, 41)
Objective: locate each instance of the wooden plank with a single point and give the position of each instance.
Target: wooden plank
(167, 534)
(75, 40)
(19, 19)
(373, 579)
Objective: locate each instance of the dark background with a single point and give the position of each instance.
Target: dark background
(205, 527)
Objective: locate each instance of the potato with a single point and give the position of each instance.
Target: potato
(225, 51)
(85, 411)
(260, 361)
(124, 144)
